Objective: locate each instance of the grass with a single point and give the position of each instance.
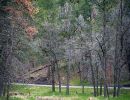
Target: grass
(75, 80)
(125, 82)
(20, 92)
(31, 92)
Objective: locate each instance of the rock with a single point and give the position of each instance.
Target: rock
(56, 98)
(91, 98)
(48, 98)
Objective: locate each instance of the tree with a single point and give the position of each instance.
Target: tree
(10, 18)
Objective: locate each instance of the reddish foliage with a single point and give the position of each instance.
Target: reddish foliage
(31, 31)
(18, 13)
(28, 6)
(9, 9)
(17, 16)
(24, 24)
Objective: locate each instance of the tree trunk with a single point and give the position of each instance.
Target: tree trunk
(97, 78)
(101, 86)
(93, 77)
(121, 48)
(105, 50)
(80, 76)
(68, 79)
(8, 89)
(59, 79)
(53, 76)
(118, 83)
(68, 71)
(1, 88)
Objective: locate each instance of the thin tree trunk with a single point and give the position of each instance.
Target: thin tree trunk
(93, 77)
(57, 68)
(1, 88)
(92, 69)
(97, 79)
(59, 79)
(104, 50)
(101, 86)
(82, 88)
(68, 79)
(80, 76)
(8, 89)
(115, 68)
(114, 91)
(5, 89)
(121, 48)
(118, 54)
(68, 72)
(53, 76)
(118, 83)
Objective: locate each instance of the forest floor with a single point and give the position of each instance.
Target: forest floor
(26, 92)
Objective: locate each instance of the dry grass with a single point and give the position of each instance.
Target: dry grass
(56, 98)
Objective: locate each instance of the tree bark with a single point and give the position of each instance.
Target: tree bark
(68, 71)
(101, 86)
(93, 77)
(53, 76)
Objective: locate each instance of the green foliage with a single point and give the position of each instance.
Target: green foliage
(85, 9)
(62, 2)
(127, 7)
(4, 2)
(108, 4)
(46, 4)
(65, 34)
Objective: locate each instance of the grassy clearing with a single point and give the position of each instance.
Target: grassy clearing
(76, 81)
(31, 92)
(19, 92)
